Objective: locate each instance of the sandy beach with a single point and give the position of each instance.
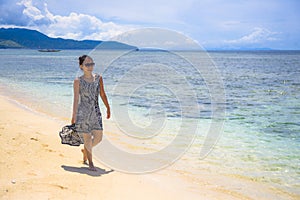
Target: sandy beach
(34, 165)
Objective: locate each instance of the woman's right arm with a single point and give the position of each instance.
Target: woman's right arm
(75, 100)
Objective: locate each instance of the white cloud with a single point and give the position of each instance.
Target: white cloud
(259, 35)
(73, 26)
(30, 10)
(33, 13)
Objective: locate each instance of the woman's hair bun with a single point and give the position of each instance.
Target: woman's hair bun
(81, 59)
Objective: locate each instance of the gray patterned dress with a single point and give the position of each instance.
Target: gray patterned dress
(88, 114)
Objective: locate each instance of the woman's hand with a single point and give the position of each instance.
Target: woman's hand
(73, 120)
(107, 113)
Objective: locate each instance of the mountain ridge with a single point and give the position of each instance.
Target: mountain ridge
(33, 39)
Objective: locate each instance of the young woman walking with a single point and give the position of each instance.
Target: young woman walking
(86, 112)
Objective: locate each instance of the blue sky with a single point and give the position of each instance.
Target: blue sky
(213, 23)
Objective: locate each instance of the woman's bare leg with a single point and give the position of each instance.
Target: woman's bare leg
(97, 137)
(84, 156)
(88, 144)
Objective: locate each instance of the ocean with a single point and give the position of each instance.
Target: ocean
(260, 137)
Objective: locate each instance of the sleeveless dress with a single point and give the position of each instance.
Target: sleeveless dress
(88, 116)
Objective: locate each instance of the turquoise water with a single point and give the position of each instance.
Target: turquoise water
(263, 93)
(261, 135)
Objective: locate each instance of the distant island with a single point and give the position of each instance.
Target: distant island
(49, 50)
(15, 38)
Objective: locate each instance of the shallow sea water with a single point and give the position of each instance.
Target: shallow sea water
(261, 134)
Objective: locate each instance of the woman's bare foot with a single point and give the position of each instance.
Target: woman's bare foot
(84, 156)
(92, 167)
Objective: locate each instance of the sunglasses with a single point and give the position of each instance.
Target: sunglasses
(89, 64)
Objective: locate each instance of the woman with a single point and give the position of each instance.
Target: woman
(86, 112)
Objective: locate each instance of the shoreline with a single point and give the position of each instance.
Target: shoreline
(35, 165)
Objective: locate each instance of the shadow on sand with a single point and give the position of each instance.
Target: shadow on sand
(85, 170)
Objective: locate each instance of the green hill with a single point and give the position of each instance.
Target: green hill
(4, 44)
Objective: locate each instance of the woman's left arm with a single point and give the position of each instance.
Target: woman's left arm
(104, 98)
